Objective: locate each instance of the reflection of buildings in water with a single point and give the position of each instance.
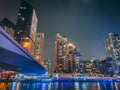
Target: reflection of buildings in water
(104, 85)
(28, 86)
(92, 86)
(84, 86)
(77, 86)
(46, 86)
(13, 86)
(43, 86)
(107, 86)
(55, 86)
(116, 86)
(5, 86)
(98, 86)
(61, 86)
(18, 86)
(50, 86)
(37, 85)
(112, 85)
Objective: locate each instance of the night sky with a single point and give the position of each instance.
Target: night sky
(84, 22)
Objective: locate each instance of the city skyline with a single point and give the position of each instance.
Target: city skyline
(84, 25)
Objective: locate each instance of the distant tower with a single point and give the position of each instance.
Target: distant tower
(60, 52)
(8, 26)
(112, 45)
(26, 26)
(39, 47)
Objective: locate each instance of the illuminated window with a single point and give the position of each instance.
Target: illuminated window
(22, 7)
(18, 32)
(19, 14)
(23, 18)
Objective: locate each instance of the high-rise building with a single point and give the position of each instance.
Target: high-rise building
(39, 47)
(8, 26)
(112, 45)
(77, 60)
(60, 53)
(70, 57)
(26, 26)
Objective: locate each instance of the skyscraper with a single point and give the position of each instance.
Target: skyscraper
(8, 26)
(77, 60)
(39, 47)
(60, 52)
(70, 57)
(26, 26)
(112, 46)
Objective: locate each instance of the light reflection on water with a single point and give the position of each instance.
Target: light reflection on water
(61, 86)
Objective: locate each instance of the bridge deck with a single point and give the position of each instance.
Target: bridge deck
(14, 57)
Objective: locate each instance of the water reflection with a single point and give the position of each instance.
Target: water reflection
(61, 86)
(5, 86)
(77, 86)
(98, 86)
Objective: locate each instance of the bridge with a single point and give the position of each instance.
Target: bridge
(15, 58)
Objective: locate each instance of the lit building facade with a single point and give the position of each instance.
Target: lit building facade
(39, 47)
(26, 27)
(87, 67)
(60, 53)
(70, 58)
(106, 66)
(77, 61)
(112, 46)
(95, 67)
(8, 26)
(49, 65)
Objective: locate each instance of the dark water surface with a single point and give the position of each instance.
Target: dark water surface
(61, 86)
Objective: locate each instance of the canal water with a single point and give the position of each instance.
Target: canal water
(61, 86)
